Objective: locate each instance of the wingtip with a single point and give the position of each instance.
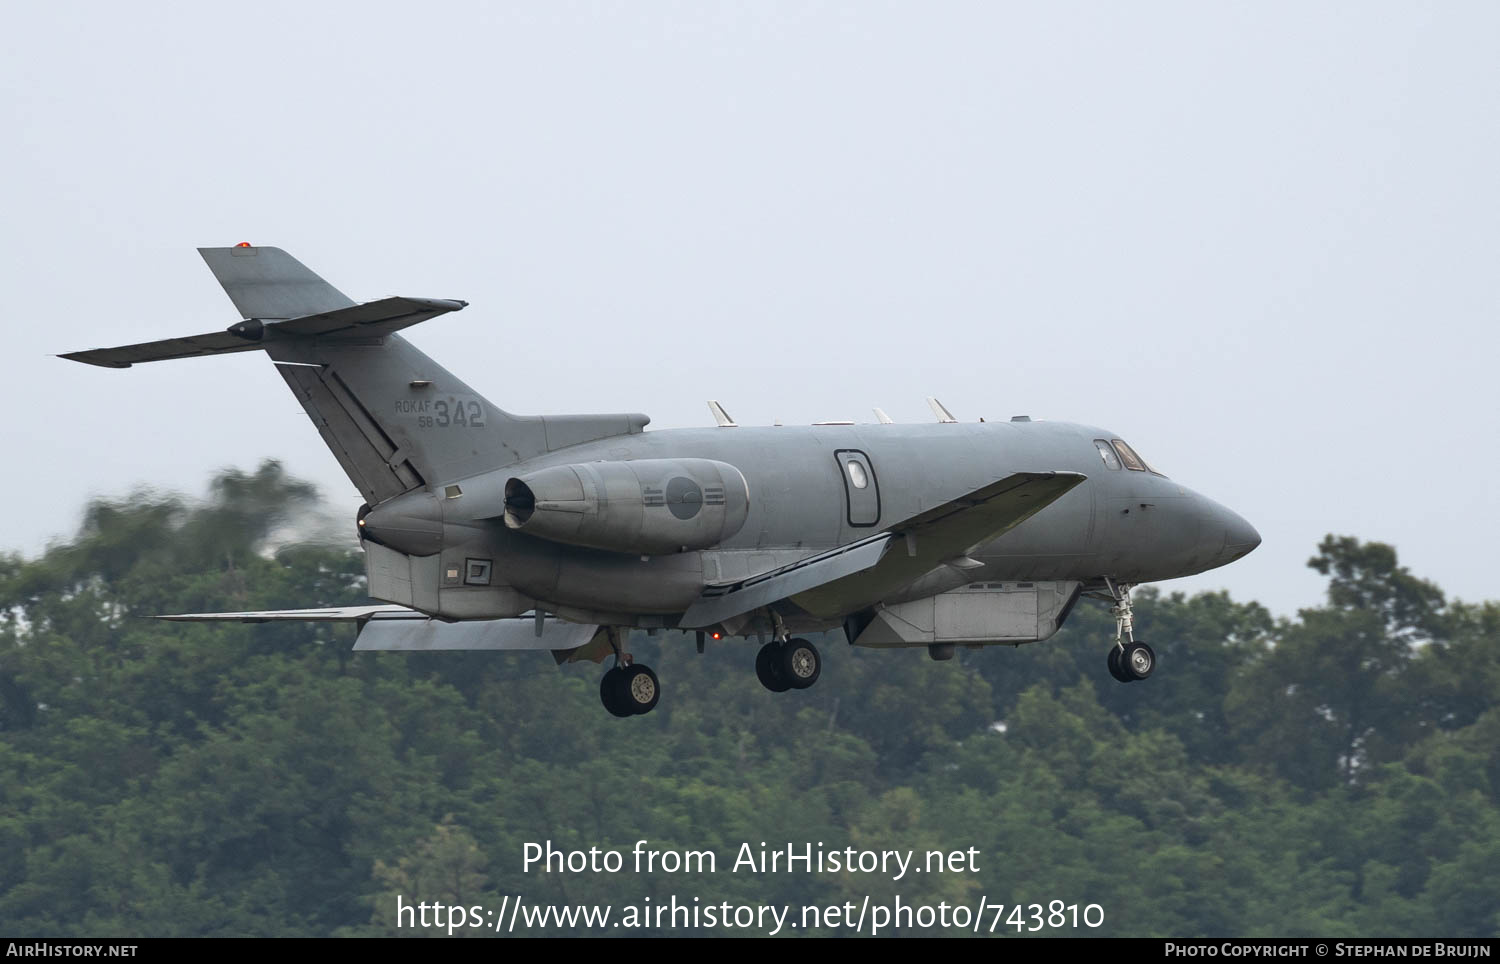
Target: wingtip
(83, 358)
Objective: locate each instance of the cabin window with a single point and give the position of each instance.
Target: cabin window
(857, 475)
(1111, 461)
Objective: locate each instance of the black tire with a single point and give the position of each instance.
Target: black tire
(768, 668)
(637, 690)
(1138, 661)
(609, 688)
(799, 663)
(1114, 666)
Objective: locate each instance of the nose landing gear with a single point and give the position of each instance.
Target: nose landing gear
(1129, 660)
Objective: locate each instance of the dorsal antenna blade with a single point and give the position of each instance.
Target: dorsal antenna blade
(943, 415)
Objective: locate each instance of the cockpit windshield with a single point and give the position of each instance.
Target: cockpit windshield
(1117, 455)
(1132, 461)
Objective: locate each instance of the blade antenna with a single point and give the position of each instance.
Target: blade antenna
(943, 415)
(721, 416)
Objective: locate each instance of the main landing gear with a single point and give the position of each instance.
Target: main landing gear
(1129, 660)
(792, 664)
(630, 688)
(786, 664)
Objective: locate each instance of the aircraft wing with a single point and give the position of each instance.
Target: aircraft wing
(396, 628)
(863, 572)
(345, 614)
(724, 600)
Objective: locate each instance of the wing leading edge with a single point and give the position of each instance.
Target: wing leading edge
(861, 573)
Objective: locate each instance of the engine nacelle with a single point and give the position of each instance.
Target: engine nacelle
(650, 506)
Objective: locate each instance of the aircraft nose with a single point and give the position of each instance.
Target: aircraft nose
(1240, 537)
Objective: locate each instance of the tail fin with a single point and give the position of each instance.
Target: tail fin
(394, 418)
(268, 283)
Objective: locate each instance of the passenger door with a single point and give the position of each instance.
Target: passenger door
(861, 491)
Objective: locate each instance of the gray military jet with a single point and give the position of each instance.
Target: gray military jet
(492, 531)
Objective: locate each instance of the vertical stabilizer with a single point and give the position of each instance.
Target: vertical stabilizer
(268, 283)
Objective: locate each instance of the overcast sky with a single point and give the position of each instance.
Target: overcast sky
(1259, 241)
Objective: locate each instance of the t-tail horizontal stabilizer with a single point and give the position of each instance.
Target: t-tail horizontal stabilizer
(370, 320)
(278, 297)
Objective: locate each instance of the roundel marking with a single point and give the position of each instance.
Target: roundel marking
(684, 497)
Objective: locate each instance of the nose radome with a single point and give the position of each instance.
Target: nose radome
(1240, 537)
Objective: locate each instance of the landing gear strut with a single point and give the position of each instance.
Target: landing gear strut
(630, 688)
(1129, 660)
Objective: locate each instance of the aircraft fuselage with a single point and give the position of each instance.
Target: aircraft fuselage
(1131, 525)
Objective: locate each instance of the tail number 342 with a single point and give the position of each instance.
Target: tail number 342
(449, 413)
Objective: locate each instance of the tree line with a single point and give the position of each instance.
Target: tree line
(1334, 773)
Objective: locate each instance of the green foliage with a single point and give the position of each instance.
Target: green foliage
(1338, 773)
